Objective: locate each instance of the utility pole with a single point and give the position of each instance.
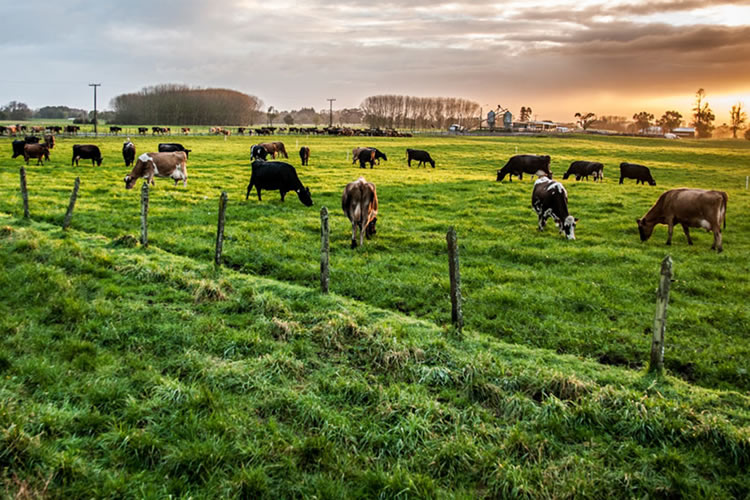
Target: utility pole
(96, 133)
(330, 114)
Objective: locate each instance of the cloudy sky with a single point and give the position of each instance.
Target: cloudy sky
(604, 56)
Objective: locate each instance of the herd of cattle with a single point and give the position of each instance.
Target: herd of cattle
(684, 206)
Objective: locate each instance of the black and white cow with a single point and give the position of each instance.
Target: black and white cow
(258, 152)
(128, 152)
(550, 199)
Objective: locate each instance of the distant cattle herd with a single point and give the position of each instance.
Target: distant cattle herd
(687, 207)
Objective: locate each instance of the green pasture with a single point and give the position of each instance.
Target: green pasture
(130, 372)
(592, 297)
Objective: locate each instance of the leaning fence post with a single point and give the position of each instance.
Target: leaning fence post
(144, 213)
(457, 316)
(220, 228)
(660, 318)
(24, 194)
(71, 204)
(324, 272)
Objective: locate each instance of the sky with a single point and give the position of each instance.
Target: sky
(608, 57)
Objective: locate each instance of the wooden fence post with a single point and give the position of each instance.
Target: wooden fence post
(71, 204)
(220, 228)
(660, 318)
(24, 194)
(324, 248)
(144, 213)
(457, 316)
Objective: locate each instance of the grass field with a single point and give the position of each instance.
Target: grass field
(131, 372)
(592, 297)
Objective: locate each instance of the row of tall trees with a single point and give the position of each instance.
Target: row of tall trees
(182, 105)
(401, 111)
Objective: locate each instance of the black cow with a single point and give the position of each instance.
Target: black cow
(272, 175)
(171, 147)
(423, 157)
(529, 164)
(128, 152)
(582, 169)
(115, 130)
(550, 199)
(258, 152)
(86, 152)
(31, 139)
(366, 155)
(49, 140)
(18, 145)
(304, 155)
(638, 172)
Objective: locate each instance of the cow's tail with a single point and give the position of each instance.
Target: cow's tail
(724, 199)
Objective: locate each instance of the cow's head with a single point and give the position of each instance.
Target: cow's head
(130, 181)
(644, 229)
(304, 196)
(651, 182)
(566, 175)
(568, 227)
(370, 229)
(99, 161)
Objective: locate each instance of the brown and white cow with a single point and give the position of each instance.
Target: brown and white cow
(150, 165)
(360, 204)
(689, 207)
(39, 151)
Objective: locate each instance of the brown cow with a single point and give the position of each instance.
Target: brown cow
(689, 207)
(275, 147)
(39, 151)
(360, 204)
(150, 165)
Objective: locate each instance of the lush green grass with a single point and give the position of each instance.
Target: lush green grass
(131, 373)
(593, 297)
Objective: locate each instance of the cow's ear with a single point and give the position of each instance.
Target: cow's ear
(638, 221)
(576, 219)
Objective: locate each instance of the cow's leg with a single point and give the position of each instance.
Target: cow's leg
(283, 193)
(717, 239)
(249, 187)
(354, 234)
(687, 233)
(670, 228)
(257, 188)
(408, 163)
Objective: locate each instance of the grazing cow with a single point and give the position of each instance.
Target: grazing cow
(37, 130)
(638, 172)
(582, 169)
(550, 199)
(689, 207)
(378, 154)
(128, 152)
(423, 157)
(168, 147)
(272, 175)
(38, 151)
(49, 140)
(185, 130)
(18, 145)
(304, 155)
(258, 151)
(3, 129)
(150, 165)
(366, 155)
(142, 130)
(72, 129)
(529, 164)
(31, 139)
(115, 130)
(275, 148)
(86, 152)
(360, 203)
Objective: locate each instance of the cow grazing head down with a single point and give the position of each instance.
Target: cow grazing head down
(568, 227)
(130, 181)
(304, 196)
(644, 229)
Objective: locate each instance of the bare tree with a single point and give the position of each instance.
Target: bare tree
(585, 119)
(738, 118)
(703, 117)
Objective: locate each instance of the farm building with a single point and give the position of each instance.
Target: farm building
(684, 132)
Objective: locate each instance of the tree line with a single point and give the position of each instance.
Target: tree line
(702, 120)
(401, 111)
(182, 105)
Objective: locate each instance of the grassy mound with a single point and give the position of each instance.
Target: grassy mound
(131, 372)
